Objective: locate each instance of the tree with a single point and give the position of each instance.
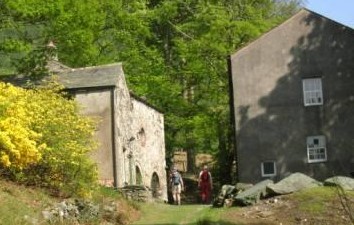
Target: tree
(195, 38)
(174, 53)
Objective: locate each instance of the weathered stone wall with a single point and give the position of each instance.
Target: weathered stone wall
(123, 131)
(149, 145)
(137, 193)
(140, 144)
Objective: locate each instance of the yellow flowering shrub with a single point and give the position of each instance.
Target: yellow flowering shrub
(20, 146)
(45, 141)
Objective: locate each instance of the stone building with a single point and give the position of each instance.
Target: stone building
(293, 100)
(130, 132)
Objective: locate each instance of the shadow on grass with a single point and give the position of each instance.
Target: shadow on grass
(203, 222)
(213, 223)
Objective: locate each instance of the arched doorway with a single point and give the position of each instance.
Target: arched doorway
(155, 185)
(139, 177)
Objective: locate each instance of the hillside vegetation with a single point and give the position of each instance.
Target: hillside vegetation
(317, 206)
(25, 205)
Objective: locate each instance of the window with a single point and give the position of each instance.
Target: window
(268, 169)
(142, 137)
(316, 149)
(312, 91)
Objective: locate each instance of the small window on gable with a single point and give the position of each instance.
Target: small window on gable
(316, 149)
(268, 169)
(142, 137)
(312, 89)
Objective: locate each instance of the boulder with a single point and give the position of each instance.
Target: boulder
(292, 183)
(227, 192)
(243, 186)
(346, 183)
(253, 194)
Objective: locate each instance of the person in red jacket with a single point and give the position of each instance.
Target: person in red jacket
(205, 185)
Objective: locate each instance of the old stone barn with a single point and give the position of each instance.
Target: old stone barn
(130, 132)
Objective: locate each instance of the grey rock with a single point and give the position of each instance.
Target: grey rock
(294, 182)
(47, 215)
(346, 183)
(227, 192)
(253, 194)
(243, 186)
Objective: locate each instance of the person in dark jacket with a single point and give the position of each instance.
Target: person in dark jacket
(177, 185)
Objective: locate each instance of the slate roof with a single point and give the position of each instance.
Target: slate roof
(96, 76)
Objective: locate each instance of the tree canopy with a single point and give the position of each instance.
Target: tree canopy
(174, 53)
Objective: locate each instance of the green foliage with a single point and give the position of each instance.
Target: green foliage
(174, 53)
(45, 141)
(34, 63)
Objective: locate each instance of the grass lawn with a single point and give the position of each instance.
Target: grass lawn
(316, 206)
(21, 205)
(164, 214)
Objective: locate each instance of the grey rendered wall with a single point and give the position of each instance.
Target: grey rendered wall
(98, 105)
(271, 121)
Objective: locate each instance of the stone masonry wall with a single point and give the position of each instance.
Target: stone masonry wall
(149, 155)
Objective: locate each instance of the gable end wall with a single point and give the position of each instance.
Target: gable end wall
(272, 122)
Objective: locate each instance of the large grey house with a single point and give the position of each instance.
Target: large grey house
(293, 100)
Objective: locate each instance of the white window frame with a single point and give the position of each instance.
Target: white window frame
(268, 174)
(312, 90)
(316, 152)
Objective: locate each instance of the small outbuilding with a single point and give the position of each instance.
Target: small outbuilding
(130, 132)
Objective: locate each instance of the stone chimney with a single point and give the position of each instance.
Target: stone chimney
(53, 64)
(52, 51)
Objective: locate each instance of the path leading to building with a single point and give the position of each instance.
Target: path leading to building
(191, 212)
(165, 214)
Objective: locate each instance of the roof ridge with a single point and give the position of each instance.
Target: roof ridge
(97, 66)
(301, 11)
(334, 21)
